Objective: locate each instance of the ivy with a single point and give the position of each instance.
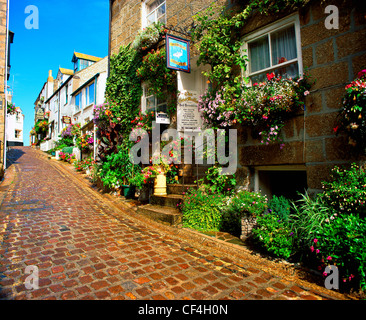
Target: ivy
(123, 89)
(161, 81)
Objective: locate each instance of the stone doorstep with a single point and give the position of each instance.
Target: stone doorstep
(162, 214)
(179, 188)
(231, 250)
(170, 200)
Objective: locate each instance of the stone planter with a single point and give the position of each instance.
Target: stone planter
(160, 185)
(247, 225)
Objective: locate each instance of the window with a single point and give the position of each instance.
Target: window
(155, 12)
(17, 117)
(78, 101)
(17, 134)
(152, 103)
(275, 48)
(66, 94)
(287, 181)
(83, 64)
(90, 94)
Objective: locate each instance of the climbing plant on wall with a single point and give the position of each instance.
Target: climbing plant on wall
(123, 89)
(217, 35)
(161, 81)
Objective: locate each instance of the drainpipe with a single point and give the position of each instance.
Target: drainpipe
(95, 102)
(6, 81)
(109, 35)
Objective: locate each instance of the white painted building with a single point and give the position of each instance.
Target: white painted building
(14, 128)
(74, 96)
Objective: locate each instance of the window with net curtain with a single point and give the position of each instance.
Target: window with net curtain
(156, 12)
(273, 52)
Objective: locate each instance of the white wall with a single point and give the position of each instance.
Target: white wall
(14, 123)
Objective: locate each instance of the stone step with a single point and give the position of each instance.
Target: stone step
(179, 188)
(170, 200)
(163, 214)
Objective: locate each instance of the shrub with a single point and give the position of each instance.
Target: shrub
(243, 204)
(215, 182)
(347, 190)
(280, 206)
(68, 150)
(342, 242)
(202, 211)
(308, 218)
(274, 234)
(248, 203)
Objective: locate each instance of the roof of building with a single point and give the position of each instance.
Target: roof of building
(84, 56)
(66, 71)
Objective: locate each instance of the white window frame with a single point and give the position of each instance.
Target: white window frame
(79, 107)
(144, 97)
(271, 28)
(145, 13)
(87, 95)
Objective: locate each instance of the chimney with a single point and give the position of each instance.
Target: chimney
(50, 78)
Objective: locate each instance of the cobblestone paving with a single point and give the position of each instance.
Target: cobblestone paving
(82, 252)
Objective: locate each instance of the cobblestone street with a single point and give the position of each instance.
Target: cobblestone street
(83, 251)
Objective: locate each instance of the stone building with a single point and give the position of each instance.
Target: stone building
(6, 38)
(333, 57)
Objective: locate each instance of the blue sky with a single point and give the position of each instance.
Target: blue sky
(65, 26)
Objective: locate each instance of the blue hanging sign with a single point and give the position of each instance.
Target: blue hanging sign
(177, 53)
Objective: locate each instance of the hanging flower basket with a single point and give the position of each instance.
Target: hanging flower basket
(352, 117)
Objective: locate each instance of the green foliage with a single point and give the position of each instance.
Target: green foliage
(202, 211)
(118, 169)
(149, 36)
(68, 150)
(346, 192)
(342, 242)
(274, 235)
(280, 206)
(137, 180)
(123, 88)
(11, 108)
(66, 141)
(218, 37)
(41, 126)
(161, 81)
(247, 203)
(215, 182)
(308, 219)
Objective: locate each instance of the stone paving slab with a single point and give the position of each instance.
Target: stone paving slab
(83, 252)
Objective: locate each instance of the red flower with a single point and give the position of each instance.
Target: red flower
(270, 76)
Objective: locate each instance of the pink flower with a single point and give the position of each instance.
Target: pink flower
(361, 73)
(315, 240)
(306, 92)
(317, 251)
(329, 258)
(312, 249)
